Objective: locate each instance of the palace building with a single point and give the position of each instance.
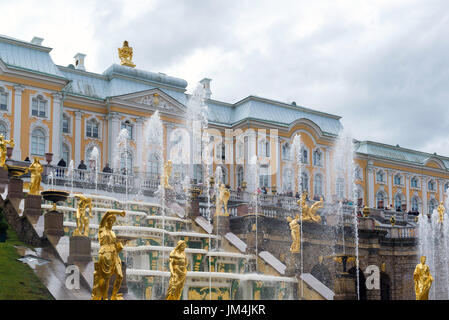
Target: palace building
(67, 111)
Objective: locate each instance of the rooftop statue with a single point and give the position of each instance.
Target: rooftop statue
(36, 170)
(3, 143)
(125, 54)
(109, 262)
(222, 200)
(309, 213)
(178, 271)
(294, 228)
(440, 210)
(82, 220)
(423, 280)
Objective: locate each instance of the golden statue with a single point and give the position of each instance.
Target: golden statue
(125, 54)
(294, 228)
(166, 175)
(36, 170)
(440, 210)
(309, 213)
(222, 200)
(82, 220)
(109, 262)
(3, 143)
(423, 280)
(178, 271)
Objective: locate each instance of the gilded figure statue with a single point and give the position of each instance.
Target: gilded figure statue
(178, 271)
(125, 53)
(440, 211)
(109, 262)
(166, 175)
(423, 280)
(222, 200)
(82, 218)
(309, 213)
(3, 144)
(295, 232)
(36, 170)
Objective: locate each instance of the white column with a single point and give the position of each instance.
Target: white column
(78, 135)
(424, 194)
(407, 191)
(390, 187)
(104, 135)
(370, 190)
(278, 165)
(57, 132)
(17, 152)
(440, 189)
(139, 144)
(328, 176)
(114, 129)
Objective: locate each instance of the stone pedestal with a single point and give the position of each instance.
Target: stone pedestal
(15, 192)
(53, 223)
(345, 287)
(79, 250)
(242, 210)
(193, 209)
(221, 224)
(292, 261)
(32, 207)
(4, 179)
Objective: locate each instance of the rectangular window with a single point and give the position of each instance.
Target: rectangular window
(38, 107)
(3, 101)
(129, 127)
(65, 125)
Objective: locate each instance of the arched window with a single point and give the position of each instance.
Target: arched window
(240, 176)
(264, 148)
(126, 162)
(318, 185)
(304, 182)
(304, 155)
(380, 175)
(380, 199)
(431, 185)
(432, 205)
(38, 142)
(398, 202)
(39, 107)
(3, 99)
(397, 180)
(286, 151)
(65, 153)
(414, 182)
(340, 188)
(415, 204)
(65, 123)
(3, 131)
(92, 128)
(317, 157)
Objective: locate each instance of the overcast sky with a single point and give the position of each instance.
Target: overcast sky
(380, 65)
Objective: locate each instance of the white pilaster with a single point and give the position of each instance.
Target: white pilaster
(407, 190)
(139, 144)
(390, 187)
(17, 152)
(424, 194)
(328, 176)
(78, 134)
(114, 129)
(278, 165)
(370, 190)
(56, 127)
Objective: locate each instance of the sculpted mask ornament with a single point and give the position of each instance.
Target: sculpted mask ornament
(36, 170)
(82, 219)
(109, 262)
(3, 144)
(178, 271)
(423, 280)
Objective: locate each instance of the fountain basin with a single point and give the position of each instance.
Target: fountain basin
(16, 171)
(55, 195)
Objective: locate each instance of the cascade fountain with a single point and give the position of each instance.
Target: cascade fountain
(122, 149)
(94, 165)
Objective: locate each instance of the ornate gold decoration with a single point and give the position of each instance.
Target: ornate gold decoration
(3, 143)
(166, 175)
(155, 99)
(423, 280)
(125, 54)
(222, 200)
(365, 211)
(392, 220)
(82, 220)
(36, 170)
(294, 229)
(309, 213)
(109, 262)
(178, 271)
(440, 210)
(383, 267)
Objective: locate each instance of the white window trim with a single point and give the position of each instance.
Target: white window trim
(69, 145)
(321, 160)
(39, 125)
(41, 95)
(70, 124)
(134, 128)
(418, 187)
(384, 175)
(7, 124)
(91, 144)
(8, 110)
(289, 159)
(100, 128)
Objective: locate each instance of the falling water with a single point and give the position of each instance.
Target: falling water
(69, 173)
(122, 148)
(253, 171)
(218, 181)
(94, 157)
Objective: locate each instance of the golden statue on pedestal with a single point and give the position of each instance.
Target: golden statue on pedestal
(82, 219)
(3, 143)
(309, 213)
(222, 200)
(166, 175)
(423, 280)
(125, 54)
(109, 262)
(441, 210)
(178, 271)
(294, 228)
(36, 170)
